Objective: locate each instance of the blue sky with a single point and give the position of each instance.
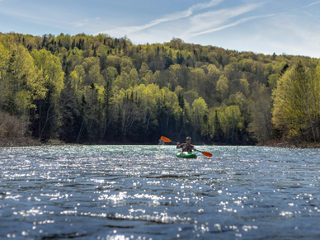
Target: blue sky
(261, 26)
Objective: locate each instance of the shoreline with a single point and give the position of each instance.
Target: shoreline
(29, 142)
(287, 144)
(19, 142)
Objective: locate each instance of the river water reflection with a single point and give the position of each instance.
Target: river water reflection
(145, 192)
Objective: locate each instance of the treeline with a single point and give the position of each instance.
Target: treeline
(99, 89)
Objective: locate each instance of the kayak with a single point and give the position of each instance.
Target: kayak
(186, 155)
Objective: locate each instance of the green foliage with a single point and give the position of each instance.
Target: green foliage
(86, 88)
(260, 105)
(296, 109)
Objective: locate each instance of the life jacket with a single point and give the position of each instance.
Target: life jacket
(186, 148)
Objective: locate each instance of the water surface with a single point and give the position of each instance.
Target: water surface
(145, 192)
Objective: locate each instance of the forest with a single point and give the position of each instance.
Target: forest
(103, 90)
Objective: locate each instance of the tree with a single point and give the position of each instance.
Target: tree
(4, 63)
(25, 83)
(244, 86)
(296, 109)
(134, 77)
(145, 74)
(218, 120)
(128, 111)
(77, 76)
(218, 132)
(260, 106)
(147, 105)
(199, 117)
(98, 88)
(70, 110)
(94, 76)
(75, 58)
(222, 87)
(48, 110)
(174, 76)
(234, 121)
(197, 78)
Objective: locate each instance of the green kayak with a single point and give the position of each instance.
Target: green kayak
(186, 155)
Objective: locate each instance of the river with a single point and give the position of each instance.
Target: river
(146, 192)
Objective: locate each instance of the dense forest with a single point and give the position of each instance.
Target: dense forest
(99, 89)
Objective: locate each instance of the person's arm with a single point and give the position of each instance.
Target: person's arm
(178, 145)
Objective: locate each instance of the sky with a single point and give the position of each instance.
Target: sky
(260, 26)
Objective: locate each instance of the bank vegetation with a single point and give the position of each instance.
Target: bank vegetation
(99, 89)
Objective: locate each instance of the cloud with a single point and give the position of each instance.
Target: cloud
(168, 18)
(286, 32)
(243, 20)
(82, 23)
(187, 24)
(213, 21)
(86, 22)
(318, 2)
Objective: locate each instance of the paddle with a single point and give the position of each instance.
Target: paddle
(165, 139)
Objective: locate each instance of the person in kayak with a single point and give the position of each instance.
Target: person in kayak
(187, 146)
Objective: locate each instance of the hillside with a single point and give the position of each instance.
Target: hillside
(99, 89)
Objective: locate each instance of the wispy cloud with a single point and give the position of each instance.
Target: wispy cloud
(168, 18)
(81, 23)
(243, 20)
(85, 22)
(318, 2)
(192, 22)
(217, 20)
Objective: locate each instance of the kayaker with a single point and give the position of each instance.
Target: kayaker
(187, 146)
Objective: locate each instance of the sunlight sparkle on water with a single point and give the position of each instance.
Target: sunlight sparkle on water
(145, 192)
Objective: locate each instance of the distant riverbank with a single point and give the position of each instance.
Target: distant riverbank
(19, 142)
(294, 144)
(27, 141)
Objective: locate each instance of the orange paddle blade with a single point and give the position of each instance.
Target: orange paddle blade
(207, 154)
(165, 139)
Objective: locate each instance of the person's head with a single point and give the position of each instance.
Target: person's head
(188, 139)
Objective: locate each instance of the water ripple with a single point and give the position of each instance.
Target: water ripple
(145, 192)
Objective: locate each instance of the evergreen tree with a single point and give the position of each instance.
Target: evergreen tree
(218, 132)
